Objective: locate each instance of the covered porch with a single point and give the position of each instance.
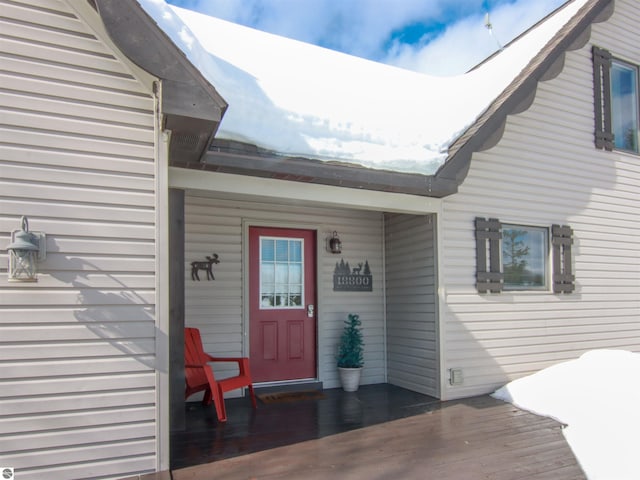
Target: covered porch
(393, 235)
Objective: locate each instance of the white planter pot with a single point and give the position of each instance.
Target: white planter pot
(350, 378)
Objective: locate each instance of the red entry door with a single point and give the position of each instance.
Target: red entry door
(282, 272)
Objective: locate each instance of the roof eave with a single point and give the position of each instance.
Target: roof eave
(192, 108)
(487, 130)
(238, 158)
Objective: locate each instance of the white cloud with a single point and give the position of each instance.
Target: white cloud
(467, 42)
(358, 27)
(366, 27)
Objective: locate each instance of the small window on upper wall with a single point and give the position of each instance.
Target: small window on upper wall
(525, 257)
(617, 102)
(624, 105)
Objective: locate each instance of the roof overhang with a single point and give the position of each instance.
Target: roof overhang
(239, 158)
(520, 94)
(192, 108)
(487, 130)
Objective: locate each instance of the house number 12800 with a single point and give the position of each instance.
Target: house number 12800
(356, 279)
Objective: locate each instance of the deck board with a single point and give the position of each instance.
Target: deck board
(381, 433)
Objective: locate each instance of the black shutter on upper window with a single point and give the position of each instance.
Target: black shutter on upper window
(488, 231)
(561, 240)
(602, 98)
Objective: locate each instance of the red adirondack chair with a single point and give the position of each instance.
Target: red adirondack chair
(199, 374)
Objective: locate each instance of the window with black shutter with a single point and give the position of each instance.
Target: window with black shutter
(617, 102)
(516, 257)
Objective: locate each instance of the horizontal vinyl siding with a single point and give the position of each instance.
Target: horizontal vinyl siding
(411, 303)
(77, 348)
(546, 170)
(216, 307)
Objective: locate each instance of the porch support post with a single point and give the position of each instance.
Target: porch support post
(176, 309)
(441, 305)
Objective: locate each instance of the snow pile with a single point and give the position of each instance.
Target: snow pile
(598, 397)
(297, 99)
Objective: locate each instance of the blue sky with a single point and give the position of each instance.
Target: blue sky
(439, 37)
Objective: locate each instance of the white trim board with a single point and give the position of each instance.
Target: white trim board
(267, 189)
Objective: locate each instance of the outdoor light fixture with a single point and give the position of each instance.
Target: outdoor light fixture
(335, 245)
(25, 249)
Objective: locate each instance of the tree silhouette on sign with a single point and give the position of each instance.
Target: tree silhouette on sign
(367, 270)
(342, 268)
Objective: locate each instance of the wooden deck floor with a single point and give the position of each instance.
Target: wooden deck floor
(381, 432)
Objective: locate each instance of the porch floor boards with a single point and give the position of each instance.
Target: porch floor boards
(379, 432)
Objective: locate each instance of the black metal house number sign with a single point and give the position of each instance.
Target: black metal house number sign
(356, 279)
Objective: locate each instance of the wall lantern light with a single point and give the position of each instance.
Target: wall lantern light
(335, 245)
(25, 250)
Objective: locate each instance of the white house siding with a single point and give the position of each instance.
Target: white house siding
(412, 357)
(216, 307)
(546, 170)
(77, 348)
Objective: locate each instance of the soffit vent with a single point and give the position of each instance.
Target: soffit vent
(190, 137)
(187, 141)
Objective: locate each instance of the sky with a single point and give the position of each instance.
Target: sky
(437, 37)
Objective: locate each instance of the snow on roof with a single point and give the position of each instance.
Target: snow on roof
(300, 100)
(598, 397)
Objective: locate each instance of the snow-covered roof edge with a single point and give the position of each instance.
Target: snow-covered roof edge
(487, 130)
(301, 100)
(484, 131)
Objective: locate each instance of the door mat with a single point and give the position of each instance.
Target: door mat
(283, 397)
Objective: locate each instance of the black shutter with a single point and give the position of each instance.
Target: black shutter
(561, 240)
(488, 230)
(602, 98)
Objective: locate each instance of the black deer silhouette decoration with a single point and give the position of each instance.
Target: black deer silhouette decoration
(206, 266)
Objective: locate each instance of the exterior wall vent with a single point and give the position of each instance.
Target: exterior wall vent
(455, 376)
(186, 141)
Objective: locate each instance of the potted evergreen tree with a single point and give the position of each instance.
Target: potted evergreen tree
(351, 354)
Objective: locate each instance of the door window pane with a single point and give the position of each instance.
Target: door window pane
(295, 251)
(267, 273)
(295, 273)
(281, 273)
(282, 250)
(267, 250)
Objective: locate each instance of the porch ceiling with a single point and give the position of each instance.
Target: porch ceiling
(228, 186)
